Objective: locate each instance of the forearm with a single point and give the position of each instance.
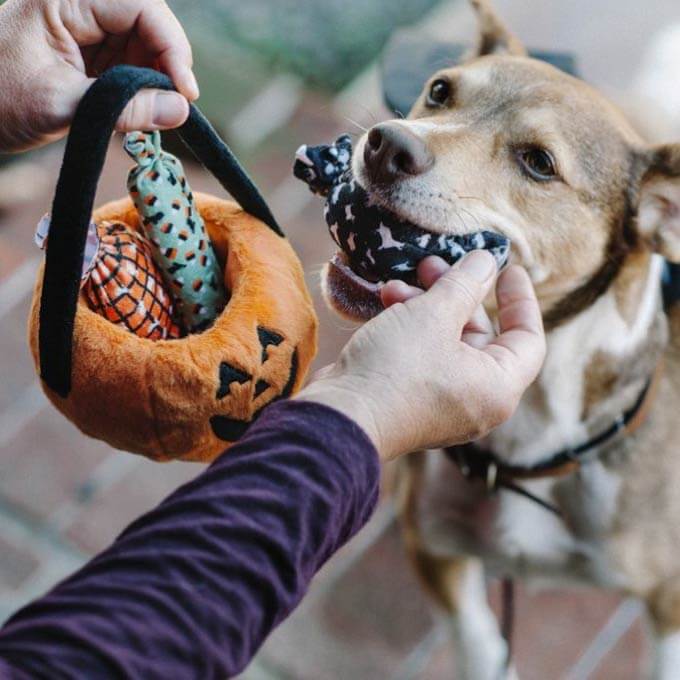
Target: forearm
(193, 588)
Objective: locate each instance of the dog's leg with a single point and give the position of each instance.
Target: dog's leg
(663, 606)
(458, 587)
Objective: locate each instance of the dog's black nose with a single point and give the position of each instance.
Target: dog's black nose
(392, 152)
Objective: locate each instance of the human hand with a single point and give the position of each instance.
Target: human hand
(51, 50)
(431, 371)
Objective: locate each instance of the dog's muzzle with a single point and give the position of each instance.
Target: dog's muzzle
(377, 244)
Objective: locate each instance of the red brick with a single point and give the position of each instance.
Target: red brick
(554, 627)
(363, 627)
(44, 466)
(16, 363)
(628, 658)
(142, 488)
(16, 565)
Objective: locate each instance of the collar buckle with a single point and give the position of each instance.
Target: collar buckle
(491, 476)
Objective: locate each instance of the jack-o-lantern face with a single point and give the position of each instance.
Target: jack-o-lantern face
(231, 429)
(188, 398)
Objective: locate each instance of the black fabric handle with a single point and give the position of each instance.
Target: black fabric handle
(88, 141)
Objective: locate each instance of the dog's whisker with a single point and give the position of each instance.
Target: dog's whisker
(368, 111)
(474, 217)
(469, 198)
(460, 219)
(317, 268)
(353, 122)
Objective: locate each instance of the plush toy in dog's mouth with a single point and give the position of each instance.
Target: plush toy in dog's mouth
(375, 244)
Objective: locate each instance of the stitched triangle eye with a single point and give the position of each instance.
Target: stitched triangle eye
(268, 337)
(231, 429)
(260, 387)
(228, 375)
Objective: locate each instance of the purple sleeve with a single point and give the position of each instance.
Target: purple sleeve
(191, 589)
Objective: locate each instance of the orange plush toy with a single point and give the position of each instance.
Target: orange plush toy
(184, 398)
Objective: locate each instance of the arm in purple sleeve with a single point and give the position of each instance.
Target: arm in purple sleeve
(191, 589)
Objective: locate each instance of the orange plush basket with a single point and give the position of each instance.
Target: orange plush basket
(186, 398)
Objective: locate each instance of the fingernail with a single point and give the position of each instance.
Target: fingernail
(478, 264)
(192, 85)
(168, 109)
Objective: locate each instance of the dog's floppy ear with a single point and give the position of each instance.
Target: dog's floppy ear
(494, 37)
(659, 207)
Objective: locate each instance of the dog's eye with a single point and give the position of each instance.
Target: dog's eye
(538, 164)
(439, 93)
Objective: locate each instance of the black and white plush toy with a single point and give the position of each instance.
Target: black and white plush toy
(378, 244)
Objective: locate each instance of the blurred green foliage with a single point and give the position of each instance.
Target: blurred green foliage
(326, 42)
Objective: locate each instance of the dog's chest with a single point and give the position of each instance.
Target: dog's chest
(514, 535)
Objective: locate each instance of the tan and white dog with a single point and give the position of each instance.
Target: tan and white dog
(516, 146)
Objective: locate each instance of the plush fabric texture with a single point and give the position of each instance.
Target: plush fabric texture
(125, 286)
(378, 244)
(179, 242)
(175, 399)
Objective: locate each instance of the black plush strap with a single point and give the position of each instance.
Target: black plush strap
(91, 130)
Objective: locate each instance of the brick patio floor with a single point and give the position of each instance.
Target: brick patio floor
(63, 497)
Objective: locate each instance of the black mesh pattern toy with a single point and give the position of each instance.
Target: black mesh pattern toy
(378, 244)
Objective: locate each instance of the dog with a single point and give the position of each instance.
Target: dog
(516, 146)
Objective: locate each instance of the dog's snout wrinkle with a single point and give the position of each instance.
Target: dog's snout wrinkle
(393, 152)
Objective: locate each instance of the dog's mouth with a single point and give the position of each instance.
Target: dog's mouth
(376, 245)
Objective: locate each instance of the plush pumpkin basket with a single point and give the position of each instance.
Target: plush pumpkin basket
(184, 398)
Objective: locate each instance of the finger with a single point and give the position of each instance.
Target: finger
(153, 110)
(160, 30)
(478, 331)
(397, 291)
(464, 286)
(431, 269)
(156, 28)
(520, 346)
(109, 54)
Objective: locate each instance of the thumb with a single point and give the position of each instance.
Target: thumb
(153, 110)
(463, 288)
(147, 110)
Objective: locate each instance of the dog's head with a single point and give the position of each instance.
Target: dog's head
(510, 144)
